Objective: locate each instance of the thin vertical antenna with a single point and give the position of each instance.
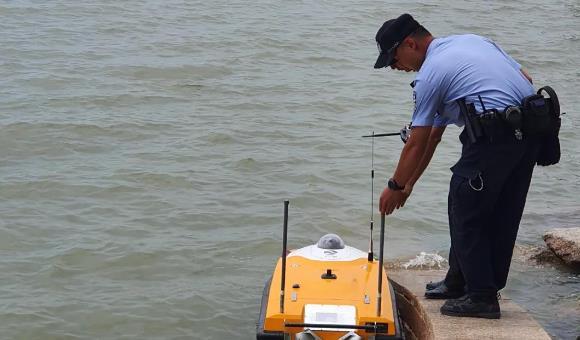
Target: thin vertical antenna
(482, 105)
(284, 243)
(381, 265)
(370, 255)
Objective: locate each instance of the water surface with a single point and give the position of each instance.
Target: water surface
(147, 147)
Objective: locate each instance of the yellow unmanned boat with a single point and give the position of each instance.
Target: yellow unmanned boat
(328, 291)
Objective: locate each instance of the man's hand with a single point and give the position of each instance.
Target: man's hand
(391, 200)
(408, 189)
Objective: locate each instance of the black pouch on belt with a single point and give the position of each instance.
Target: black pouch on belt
(543, 122)
(537, 120)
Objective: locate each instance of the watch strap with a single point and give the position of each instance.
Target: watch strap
(393, 185)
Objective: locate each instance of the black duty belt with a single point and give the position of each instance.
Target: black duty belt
(537, 116)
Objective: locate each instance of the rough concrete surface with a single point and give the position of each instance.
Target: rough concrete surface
(426, 322)
(565, 243)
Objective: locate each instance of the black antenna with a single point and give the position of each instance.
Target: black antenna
(284, 243)
(383, 134)
(370, 254)
(381, 264)
(481, 102)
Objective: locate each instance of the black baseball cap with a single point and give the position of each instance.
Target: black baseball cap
(390, 35)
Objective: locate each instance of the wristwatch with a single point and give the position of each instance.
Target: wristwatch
(391, 184)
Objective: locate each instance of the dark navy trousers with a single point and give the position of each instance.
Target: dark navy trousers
(487, 194)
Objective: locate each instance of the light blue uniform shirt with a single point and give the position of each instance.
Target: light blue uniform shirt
(465, 66)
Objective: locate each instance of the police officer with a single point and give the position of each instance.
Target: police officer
(489, 184)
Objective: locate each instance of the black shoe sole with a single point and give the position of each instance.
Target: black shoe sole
(443, 296)
(490, 315)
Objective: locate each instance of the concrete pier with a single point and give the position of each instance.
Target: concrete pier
(425, 322)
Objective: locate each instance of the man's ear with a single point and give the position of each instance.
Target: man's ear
(412, 43)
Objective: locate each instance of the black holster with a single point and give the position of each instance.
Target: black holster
(481, 126)
(472, 127)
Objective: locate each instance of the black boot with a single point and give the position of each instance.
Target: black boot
(433, 285)
(441, 291)
(487, 307)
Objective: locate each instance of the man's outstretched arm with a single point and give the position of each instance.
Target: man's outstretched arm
(434, 139)
(409, 162)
